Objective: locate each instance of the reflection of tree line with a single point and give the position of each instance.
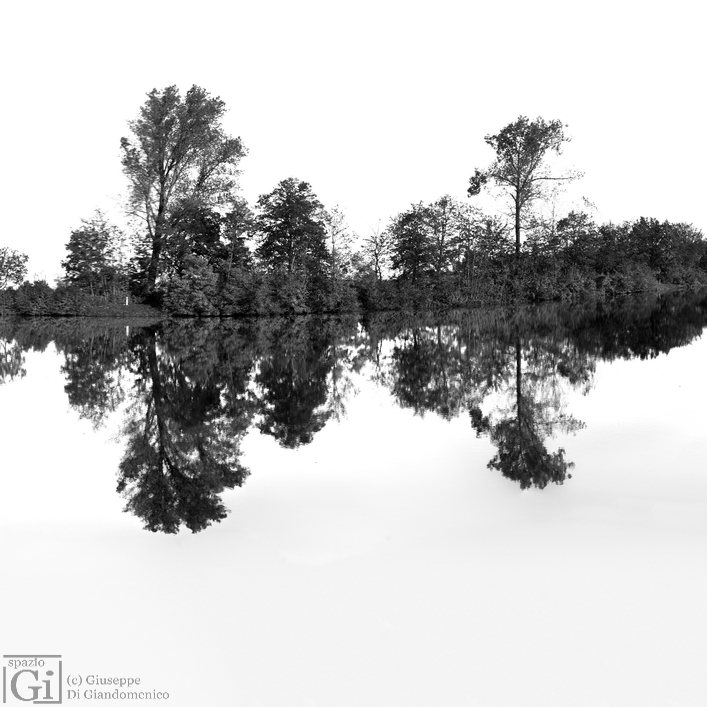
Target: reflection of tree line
(191, 390)
(497, 361)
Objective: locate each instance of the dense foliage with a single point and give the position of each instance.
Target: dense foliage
(178, 159)
(201, 250)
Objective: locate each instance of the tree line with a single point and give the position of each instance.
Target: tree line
(195, 247)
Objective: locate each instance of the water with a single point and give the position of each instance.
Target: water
(484, 508)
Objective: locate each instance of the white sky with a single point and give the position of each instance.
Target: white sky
(376, 104)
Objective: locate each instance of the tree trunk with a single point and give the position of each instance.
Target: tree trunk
(157, 242)
(154, 263)
(517, 229)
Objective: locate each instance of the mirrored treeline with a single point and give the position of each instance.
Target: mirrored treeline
(189, 390)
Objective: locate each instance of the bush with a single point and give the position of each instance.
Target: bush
(194, 291)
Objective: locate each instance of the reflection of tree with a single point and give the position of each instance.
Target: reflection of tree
(444, 368)
(447, 369)
(304, 375)
(642, 328)
(183, 439)
(194, 388)
(12, 361)
(426, 364)
(520, 433)
(93, 369)
(344, 361)
(292, 377)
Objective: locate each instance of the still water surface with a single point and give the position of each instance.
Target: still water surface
(481, 508)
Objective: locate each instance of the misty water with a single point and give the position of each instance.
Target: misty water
(494, 507)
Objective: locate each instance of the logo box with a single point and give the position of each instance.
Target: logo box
(32, 680)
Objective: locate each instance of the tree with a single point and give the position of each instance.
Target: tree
(195, 231)
(443, 231)
(193, 292)
(478, 239)
(339, 241)
(178, 153)
(412, 248)
(520, 167)
(291, 228)
(236, 225)
(95, 256)
(13, 267)
(340, 292)
(577, 234)
(376, 251)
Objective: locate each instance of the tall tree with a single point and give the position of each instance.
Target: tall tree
(13, 267)
(291, 227)
(520, 167)
(237, 224)
(178, 153)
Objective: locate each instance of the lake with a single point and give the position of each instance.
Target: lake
(494, 507)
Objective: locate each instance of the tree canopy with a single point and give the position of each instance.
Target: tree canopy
(13, 267)
(520, 167)
(95, 259)
(291, 227)
(178, 154)
(195, 247)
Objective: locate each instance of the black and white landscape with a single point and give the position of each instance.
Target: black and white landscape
(353, 355)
